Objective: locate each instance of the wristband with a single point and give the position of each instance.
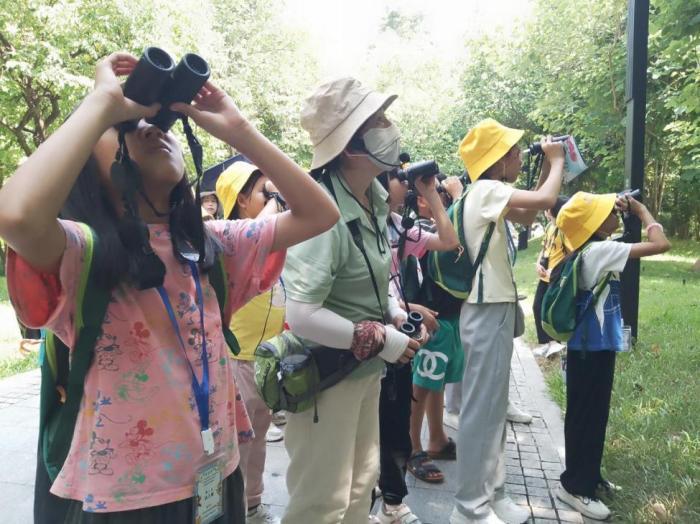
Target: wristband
(652, 225)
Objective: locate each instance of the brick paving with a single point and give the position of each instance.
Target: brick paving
(533, 454)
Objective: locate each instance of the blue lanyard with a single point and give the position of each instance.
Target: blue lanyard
(201, 390)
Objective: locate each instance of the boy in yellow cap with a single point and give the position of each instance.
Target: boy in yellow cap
(246, 193)
(487, 319)
(586, 221)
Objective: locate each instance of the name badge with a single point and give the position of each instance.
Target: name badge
(209, 493)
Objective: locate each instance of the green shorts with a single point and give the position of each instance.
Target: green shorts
(441, 360)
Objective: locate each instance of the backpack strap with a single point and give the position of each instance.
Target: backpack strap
(91, 306)
(480, 258)
(217, 280)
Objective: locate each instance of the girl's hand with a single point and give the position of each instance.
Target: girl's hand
(453, 186)
(541, 271)
(426, 187)
(214, 111)
(636, 207)
(554, 151)
(108, 89)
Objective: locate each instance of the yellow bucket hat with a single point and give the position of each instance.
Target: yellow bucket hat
(485, 144)
(582, 215)
(230, 183)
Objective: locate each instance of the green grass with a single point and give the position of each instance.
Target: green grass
(12, 366)
(3, 290)
(653, 440)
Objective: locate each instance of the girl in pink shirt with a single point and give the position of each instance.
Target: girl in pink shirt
(140, 439)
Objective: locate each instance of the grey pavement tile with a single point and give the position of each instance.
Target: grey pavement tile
(527, 448)
(515, 479)
(569, 516)
(531, 472)
(16, 501)
(533, 464)
(431, 507)
(528, 454)
(18, 466)
(540, 502)
(517, 489)
(514, 470)
(544, 513)
(535, 483)
(544, 521)
(20, 417)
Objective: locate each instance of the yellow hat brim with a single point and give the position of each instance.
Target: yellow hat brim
(582, 216)
(230, 183)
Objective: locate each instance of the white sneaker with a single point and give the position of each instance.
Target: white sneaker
(274, 434)
(509, 512)
(539, 351)
(279, 418)
(588, 507)
(553, 348)
(458, 518)
(515, 414)
(450, 420)
(396, 515)
(260, 514)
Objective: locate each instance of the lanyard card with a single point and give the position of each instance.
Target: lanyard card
(209, 493)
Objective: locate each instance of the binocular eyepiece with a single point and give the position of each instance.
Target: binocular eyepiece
(156, 79)
(634, 193)
(536, 148)
(412, 326)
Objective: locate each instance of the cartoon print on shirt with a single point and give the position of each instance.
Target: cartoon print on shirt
(140, 348)
(138, 442)
(107, 350)
(132, 386)
(101, 454)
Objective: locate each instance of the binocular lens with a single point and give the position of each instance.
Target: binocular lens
(156, 79)
(415, 319)
(146, 81)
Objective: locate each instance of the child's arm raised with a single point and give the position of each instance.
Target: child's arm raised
(525, 204)
(446, 238)
(311, 211)
(32, 198)
(657, 241)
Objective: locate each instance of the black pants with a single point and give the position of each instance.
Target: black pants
(50, 509)
(589, 381)
(394, 432)
(542, 337)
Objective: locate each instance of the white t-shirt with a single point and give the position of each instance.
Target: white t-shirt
(598, 259)
(486, 202)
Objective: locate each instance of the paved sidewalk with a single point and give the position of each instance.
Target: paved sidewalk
(534, 454)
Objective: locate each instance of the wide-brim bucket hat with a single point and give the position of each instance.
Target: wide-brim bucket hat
(230, 183)
(485, 144)
(582, 216)
(334, 112)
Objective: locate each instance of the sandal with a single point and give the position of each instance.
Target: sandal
(421, 466)
(448, 452)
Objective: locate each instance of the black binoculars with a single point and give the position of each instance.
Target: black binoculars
(156, 79)
(536, 148)
(634, 193)
(412, 326)
(418, 170)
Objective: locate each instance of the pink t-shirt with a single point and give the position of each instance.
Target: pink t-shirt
(137, 441)
(416, 245)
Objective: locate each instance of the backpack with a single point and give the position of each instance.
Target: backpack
(559, 312)
(63, 378)
(454, 271)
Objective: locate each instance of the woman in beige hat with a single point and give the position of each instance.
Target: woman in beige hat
(335, 299)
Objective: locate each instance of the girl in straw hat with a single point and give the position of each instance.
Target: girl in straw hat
(586, 221)
(336, 300)
(487, 319)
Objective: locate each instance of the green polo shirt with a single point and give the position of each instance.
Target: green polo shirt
(329, 269)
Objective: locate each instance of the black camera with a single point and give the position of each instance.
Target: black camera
(156, 79)
(536, 148)
(412, 326)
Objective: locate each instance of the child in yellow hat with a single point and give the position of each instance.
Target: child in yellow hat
(586, 221)
(246, 193)
(487, 319)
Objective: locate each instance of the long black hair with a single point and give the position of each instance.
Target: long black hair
(90, 203)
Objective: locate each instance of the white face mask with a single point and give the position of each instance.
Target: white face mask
(383, 144)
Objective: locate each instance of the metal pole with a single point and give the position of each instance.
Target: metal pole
(635, 98)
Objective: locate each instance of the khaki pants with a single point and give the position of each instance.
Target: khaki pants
(334, 463)
(252, 453)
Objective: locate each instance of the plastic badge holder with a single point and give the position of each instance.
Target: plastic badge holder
(626, 338)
